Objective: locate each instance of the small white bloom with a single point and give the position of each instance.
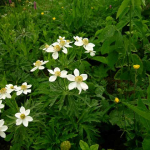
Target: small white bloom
(77, 38)
(92, 53)
(4, 93)
(85, 43)
(23, 117)
(2, 129)
(10, 88)
(61, 38)
(1, 105)
(46, 47)
(38, 65)
(24, 88)
(77, 81)
(57, 73)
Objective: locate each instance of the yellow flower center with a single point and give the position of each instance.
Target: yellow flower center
(85, 41)
(46, 46)
(3, 91)
(61, 39)
(38, 63)
(22, 116)
(136, 66)
(12, 87)
(68, 41)
(57, 73)
(62, 43)
(54, 18)
(57, 48)
(77, 39)
(23, 87)
(79, 79)
(116, 100)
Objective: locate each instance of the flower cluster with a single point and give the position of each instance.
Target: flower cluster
(62, 44)
(85, 43)
(5, 92)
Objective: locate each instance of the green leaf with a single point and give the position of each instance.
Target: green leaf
(94, 147)
(143, 2)
(146, 144)
(143, 114)
(84, 145)
(101, 59)
(124, 5)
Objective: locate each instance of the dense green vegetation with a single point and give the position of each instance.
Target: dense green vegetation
(75, 74)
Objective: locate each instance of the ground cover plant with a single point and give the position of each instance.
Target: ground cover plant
(74, 74)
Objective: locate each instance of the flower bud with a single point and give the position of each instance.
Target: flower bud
(136, 66)
(116, 100)
(65, 145)
(34, 5)
(110, 6)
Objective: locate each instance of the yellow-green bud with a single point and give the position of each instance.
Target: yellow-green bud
(65, 145)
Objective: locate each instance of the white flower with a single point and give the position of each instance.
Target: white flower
(4, 93)
(10, 88)
(92, 53)
(1, 105)
(61, 38)
(23, 117)
(55, 48)
(85, 43)
(2, 128)
(57, 73)
(46, 47)
(24, 88)
(77, 81)
(77, 39)
(38, 65)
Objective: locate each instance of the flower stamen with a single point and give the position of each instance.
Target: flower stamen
(57, 73)
(22, 116)
(23, 87)
(57, 48)
(38, 63)
(3, 91)
(62, 43)
(85, 41)
(79, 79)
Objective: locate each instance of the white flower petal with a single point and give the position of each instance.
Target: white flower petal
(79, 87)
(78, 43)
(84, 86)
(4, 128)
(18, 121)
(25, 122)
(32, 70)
(22, 110)
(29, 118)
(55, 55)
(25, 83)
(27, 112)
(92, 53)
(76, 72)
(63, 74)
(1, 122)
(8, 95)
(19, 92)
(65, 50)
(72, 85)
(2, 134)
(2, 106)
(52, 78)
(28, 86)
(50, 49)
(41, 67)
(17, 115)
(84, 76)
(71, 77)
(51, 71)
(45, 62)
(56, 69)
